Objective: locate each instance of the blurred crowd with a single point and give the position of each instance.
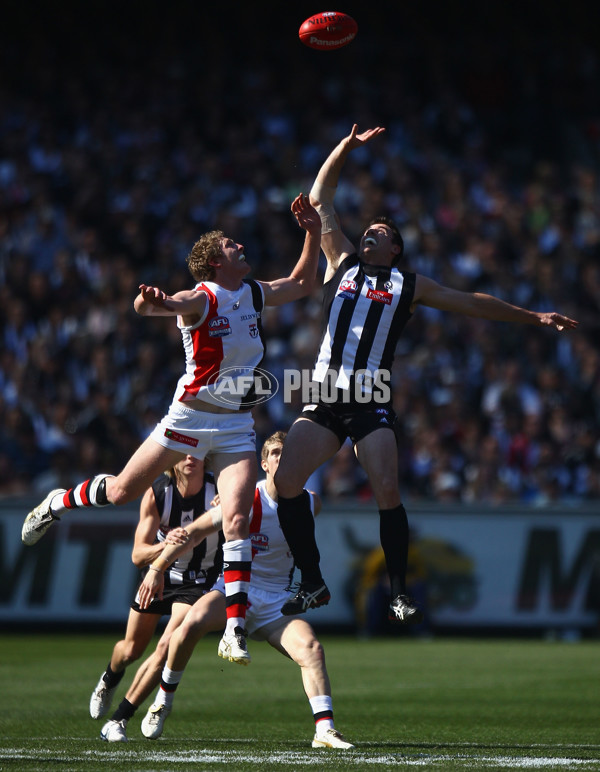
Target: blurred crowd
(118, 149)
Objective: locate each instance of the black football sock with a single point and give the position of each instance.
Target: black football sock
(112, 679)
(125, 710)
(393, 533)
(298, 526)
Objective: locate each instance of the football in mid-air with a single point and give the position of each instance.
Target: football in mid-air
(328, 30)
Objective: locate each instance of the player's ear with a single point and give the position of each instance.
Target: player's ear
(264, 466)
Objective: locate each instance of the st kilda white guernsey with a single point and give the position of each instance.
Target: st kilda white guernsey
(223, 348)
(365, 309)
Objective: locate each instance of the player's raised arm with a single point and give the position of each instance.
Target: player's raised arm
(303, 277)
(152, 301)
(334, 243)
(478, 304)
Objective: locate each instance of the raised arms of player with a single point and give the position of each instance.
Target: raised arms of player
(189, 304)
(430, 293)
(302, 279)
(334, 243)
(154, 581)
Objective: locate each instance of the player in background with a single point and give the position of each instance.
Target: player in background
(368, 300)
(175, 499)
(272, 570)
(220, 322)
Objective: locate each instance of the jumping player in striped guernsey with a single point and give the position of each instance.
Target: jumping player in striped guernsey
(368, 299)
(271, 574)
(220, 323)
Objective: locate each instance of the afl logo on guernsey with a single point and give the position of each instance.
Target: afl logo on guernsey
(219, 327)
(260, 542)
(347, 288)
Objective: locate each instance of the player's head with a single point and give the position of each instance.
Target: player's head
(383, 238)
(189, 467)
(204, 252)
(271, 452)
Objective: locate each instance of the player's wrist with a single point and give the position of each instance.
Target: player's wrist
(159, 565)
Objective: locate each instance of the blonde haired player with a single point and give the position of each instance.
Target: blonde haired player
(220, 323)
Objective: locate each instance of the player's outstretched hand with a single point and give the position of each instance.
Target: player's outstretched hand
(151, 587)
(306, 215)
(558, 321)
(154, 296)
(355, 139)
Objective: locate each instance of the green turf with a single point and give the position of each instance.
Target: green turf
(443, 704)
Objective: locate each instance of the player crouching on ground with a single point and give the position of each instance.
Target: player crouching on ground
(272, 570)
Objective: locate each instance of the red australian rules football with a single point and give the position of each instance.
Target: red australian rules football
(328, 30)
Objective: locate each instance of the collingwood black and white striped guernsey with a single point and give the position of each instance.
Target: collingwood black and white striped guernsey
(365, 309)
(203, 564)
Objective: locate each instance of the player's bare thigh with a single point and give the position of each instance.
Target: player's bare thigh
(306, 447)
(147, 463)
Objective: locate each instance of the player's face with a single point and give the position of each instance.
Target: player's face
(377, 246)
(234, 260)
(190, 466)
(271, 463)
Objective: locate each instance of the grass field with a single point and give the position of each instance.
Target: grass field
(443, 704)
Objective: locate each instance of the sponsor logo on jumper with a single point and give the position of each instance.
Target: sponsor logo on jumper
(183, 438)
(236, 305)
(245, 317)
(379, 296)
(388, 286)
(219, 327)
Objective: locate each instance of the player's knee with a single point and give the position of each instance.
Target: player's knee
(162, 649)
(286, 485)
(131, 652)
(387, 493)
(312, 653)
(190, 631)
(117, 493)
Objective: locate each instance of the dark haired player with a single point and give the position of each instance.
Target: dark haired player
(367, 301)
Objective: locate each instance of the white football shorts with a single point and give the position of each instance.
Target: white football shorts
(200, 434)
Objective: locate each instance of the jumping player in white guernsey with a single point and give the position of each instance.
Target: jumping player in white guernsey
(271, 572)
(220, 324)
(367, 302)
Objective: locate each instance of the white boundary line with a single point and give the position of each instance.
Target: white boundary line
(354, 758)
